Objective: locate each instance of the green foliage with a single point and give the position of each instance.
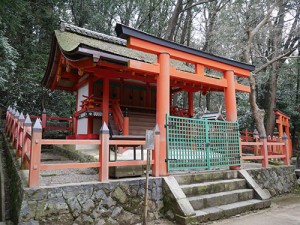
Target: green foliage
(222, 27)
(8, 57)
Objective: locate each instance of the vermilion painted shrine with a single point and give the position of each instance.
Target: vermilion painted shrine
(127, 83)
(140, 72)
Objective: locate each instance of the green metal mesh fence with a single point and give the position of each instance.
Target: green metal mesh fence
(195, 143)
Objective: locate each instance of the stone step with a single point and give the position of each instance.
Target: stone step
(225, 211)
(207, 176)
(213, 187)
(220, 198)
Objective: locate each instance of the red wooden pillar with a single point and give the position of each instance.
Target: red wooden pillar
(163, 108)
(191, 104)
(126, 126)
(104, 154)
(230, 100)
(105, 101)
(155, 153)
(90, 94)
(35, 155)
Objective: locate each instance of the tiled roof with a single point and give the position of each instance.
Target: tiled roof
(92, 34)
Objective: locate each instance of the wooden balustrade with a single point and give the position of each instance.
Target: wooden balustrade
(117, 115)
(30, 141)
(264, 148)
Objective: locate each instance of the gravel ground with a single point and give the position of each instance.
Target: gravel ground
(63, 176)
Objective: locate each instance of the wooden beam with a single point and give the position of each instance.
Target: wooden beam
(81, 64)
(130, 163)
(69, 142)
(57, 166)
(181, 75)
(70, 76)
(144, 67)
(57, 74)
(101, 72)
(146, 46)
(242, 88)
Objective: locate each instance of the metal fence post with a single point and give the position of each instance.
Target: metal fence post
(207, 144)
(35, 154)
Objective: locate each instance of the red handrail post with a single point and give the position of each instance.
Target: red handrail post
(265, 160)
(255, 139)
(126, 125)
(35, 155)
(15, 130)
(104, 154)
(286, 150)
(7, 119)
(19, 142)
(44, 119)
(10, 123)
(155, 153)
(27, 129)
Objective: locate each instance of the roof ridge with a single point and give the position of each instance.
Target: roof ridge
(93, 34)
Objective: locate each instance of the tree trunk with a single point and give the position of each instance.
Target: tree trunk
(173, 21)
(186, 26)
(258, 113)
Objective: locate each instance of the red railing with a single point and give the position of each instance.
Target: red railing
(91, 102)
(62, 121)
(95, 104)
(178, 111)
(27, 141)
(117, 115)
(255, 148)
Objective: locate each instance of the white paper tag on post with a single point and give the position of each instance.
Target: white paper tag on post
(150, 139)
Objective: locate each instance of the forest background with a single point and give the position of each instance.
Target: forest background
(264, 33)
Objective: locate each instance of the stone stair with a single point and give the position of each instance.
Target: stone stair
(216, 195)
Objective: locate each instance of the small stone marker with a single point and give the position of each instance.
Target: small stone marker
(150, 139)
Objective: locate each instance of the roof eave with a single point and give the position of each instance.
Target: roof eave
(125, 32)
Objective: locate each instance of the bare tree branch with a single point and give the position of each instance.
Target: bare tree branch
(253, 32)
(196, 4)
(274, 60)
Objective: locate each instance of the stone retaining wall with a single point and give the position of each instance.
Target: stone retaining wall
(92, 203)
(117, 202)
(13, 183)
(277, 180)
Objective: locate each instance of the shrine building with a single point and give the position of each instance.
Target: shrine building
(127, 82)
